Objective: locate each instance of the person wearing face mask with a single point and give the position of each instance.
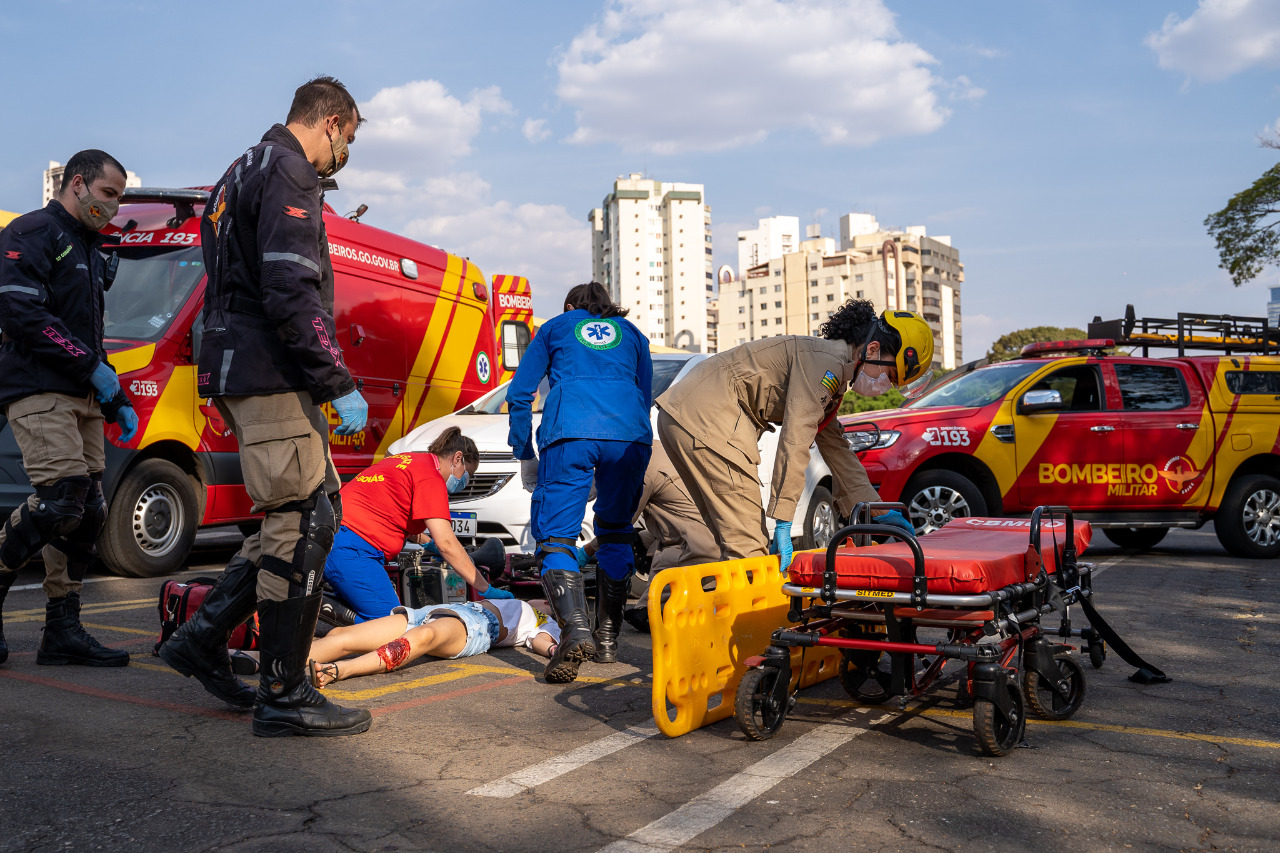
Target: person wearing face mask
(711, 420)
(595, 430)
(269, 359)
(57, 388)
(395, 500)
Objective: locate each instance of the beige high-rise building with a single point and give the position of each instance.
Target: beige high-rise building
(651, 247)
(53, 180)
(796, 293)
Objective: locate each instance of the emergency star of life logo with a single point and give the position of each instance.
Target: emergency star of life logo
(482, 367)
(599, 334)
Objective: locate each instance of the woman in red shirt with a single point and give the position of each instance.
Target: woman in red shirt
(394, 500)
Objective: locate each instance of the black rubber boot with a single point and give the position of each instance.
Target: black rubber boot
(611, 596)
(64, 640)
(199, 647)
(287, 704)
(569, 606)
(6, 581)
(491, 555)
(637, 617)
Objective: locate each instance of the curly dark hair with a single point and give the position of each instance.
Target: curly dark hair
(857, 323)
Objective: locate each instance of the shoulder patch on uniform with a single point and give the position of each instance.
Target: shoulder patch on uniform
(830, 382)
(296, 212)
(597, 333)
(12, 256)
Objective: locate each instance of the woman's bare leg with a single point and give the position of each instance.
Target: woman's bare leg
(441, 637)
(359, 638)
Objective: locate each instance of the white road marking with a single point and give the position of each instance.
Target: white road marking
(1097, 570)
(531, 777)
(707, 810)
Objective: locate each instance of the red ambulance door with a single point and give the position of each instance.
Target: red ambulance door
(1168, 435)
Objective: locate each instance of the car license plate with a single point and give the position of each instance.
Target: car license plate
(464, 523)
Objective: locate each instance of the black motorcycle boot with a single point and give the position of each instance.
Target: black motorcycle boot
(199, 647)
(568, 603)
(611, 597)
(64, 640)
(6, 581)
(286, 703)
(491, 555)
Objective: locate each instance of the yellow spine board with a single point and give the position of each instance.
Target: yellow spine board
(701, 639)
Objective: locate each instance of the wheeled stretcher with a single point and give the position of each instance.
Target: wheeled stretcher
(968, 598)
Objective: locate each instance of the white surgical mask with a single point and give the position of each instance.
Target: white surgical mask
(872, 386)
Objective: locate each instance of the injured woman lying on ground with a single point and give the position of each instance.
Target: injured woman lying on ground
(441, 630)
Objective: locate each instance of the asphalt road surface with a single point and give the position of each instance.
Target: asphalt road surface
(482, 755)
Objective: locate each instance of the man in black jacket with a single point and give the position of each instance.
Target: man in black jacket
(56, 387)
(269, 359)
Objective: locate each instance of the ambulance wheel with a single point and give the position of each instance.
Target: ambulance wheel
(866, 683)
(759, 714)
(1248, 522)
(152, 521)
(820, 521)
(1137, 538)
(1048, 702)
(998, 735)
(935, 497)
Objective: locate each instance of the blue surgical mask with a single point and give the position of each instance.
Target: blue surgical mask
(453, 485)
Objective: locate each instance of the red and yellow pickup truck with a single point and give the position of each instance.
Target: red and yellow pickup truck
(1136, 444)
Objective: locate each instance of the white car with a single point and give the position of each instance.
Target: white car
(497, 496)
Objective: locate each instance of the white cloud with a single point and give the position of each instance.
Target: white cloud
(406, 165)
(1219, 39)
(669, 76)
(535, 129)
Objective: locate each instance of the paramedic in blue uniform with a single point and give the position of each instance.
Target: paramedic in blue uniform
(595, 428)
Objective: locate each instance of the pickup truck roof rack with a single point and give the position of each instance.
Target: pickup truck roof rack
(1214, 332)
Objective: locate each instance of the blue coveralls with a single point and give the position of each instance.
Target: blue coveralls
(595, 425)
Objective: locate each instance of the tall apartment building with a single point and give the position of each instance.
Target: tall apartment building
(651, 247)
(894, 268)
(772, 238)
(1273, 308)
(53, 180)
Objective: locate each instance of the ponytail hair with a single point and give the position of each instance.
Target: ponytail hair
(594, 299)
(452, 441)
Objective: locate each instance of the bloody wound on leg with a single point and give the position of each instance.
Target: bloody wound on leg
(394, 653)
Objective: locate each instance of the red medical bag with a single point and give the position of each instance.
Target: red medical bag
(179, 601)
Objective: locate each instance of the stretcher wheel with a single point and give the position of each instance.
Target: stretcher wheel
(1048, 702)
(760, 715)
(996, 734)
(1097, 653)
(861, 678)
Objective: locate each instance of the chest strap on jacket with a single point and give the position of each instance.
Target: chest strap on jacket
(241, 304)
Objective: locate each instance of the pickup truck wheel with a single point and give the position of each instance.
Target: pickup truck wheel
(935, 497)
(819, 521)
(1248, 522)
(1138, 538)
(152, 521)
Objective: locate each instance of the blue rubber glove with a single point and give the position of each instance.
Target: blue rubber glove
(105, 382)
(493, 592)
(128, 420)
(354, 412)
(583, 559)
(782, 543)
(895, 518)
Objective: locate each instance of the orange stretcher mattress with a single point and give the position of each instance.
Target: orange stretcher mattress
(966, 557)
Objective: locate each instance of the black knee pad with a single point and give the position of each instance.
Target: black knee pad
(81, 544)
(318, 526)
(59, 510)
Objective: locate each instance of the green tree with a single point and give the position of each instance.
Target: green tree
(854, 402)
(1245, 230)
(1010, 345)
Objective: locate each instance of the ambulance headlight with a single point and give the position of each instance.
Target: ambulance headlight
(863, 440)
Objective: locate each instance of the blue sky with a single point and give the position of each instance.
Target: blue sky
(1071, 150)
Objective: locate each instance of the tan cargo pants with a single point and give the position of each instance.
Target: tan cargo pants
(727, 496)
(284, 456)
(59, 436)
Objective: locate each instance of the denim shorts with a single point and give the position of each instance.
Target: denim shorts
(482, 624)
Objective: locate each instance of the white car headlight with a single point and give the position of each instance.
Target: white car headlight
(867, 440)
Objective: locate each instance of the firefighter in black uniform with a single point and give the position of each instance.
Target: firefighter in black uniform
(269, 359)
(56, 387)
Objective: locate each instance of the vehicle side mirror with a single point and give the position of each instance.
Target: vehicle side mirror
(1040, 401)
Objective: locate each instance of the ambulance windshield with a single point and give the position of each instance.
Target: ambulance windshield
(151, 286)
(979, 387)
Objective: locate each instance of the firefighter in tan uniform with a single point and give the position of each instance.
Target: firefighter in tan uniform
(711, 421)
